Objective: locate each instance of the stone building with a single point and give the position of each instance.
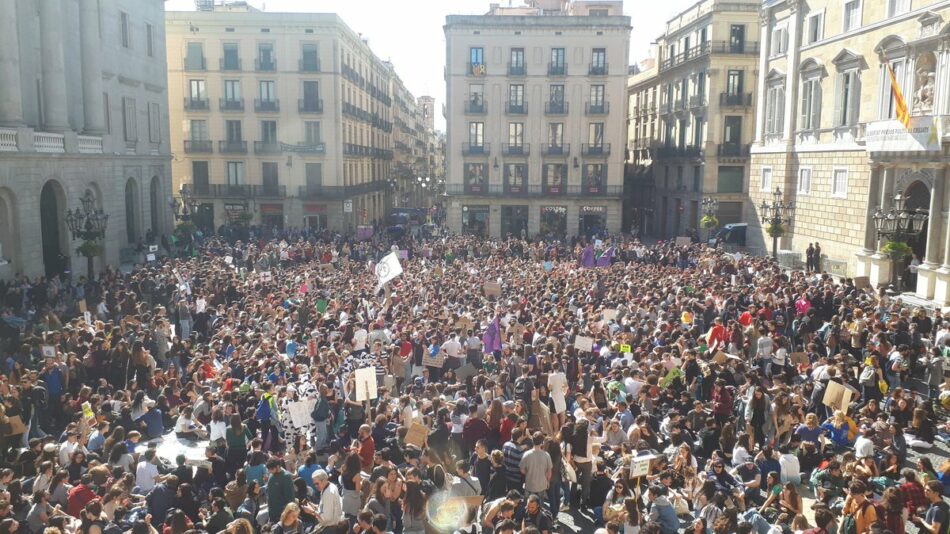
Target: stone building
(83, 107)
(691, 117)
(827, 138)
(536, 112)
(280, 119)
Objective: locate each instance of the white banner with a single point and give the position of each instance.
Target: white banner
(388, 268)
(922, 135)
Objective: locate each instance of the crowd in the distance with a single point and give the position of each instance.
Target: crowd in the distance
(642, 388)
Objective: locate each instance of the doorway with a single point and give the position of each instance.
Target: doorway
(51, 229)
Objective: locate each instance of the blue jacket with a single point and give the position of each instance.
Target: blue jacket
(663, 513)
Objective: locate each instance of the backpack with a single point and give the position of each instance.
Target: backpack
(868, 376)
(263, 409)
(321, 410)
(848, 525)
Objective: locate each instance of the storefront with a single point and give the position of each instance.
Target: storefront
(475, 220)
(514, 221)
(476, 178)
(315, 216)
(554, 221)
(203, 218)
(593, 220)
(236, 213)
(272, 215)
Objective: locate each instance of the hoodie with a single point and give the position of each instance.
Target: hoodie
(662, 512)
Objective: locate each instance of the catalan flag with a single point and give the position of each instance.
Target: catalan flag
(900, 105)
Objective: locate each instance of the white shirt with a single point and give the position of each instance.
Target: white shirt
(217, 430)
(359, 339)
(145, 474)
(863, 448)
(791, 469)
(331, 506)
(453, 348)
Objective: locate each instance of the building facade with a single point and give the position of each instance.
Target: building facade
(826, 135)
(536, 111)
(280, 119)
(83, 108)
(691, 117)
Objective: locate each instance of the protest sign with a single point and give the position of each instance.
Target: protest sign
(492, 289)
(322, 306)
(404, 254)
(684, 241)
(150, 257)
(640, 465)
(366, 387)
(862, 282)
(228, 260)
(87, 316)
(541, 417)
(82, 306)
(300, 412)
(834, 395)
(433, 361)
(417, 435)
(464, 324)
(584, 343)
(49, 351)
(720, 357)
(610, 315)
(625, 349)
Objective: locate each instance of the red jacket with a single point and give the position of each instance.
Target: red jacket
(78, 498)
(722, 401)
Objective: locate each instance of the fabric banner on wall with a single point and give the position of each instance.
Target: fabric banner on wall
(923, 135)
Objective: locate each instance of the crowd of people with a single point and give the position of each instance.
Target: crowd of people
(653, 388)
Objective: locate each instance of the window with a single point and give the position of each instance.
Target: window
(847, 99)
(312, 132)
(598, 12)
(814, 27)
(196, 90)
(476, 60)
(232, 90)
(516, 175)
(897, 7)
(199, 130)
(107, 112)
(804, 180)
(314, 175)
(476, 177)
(699, 125)
(233, 131)
(697, 178)
(766, 183)
(594, 178)
(737, 38)
(235, 172)
(558, 58)
(810, 112)
(195, 57)
(125, 30)
(269, 177)
(311, 93)
(517, 58)
(516, 95)
(128, 119)
(154, 123)
(269, 132)
(597, 96)
(595, 134)
(232, 59)
(149, 40)
(888, 105)
(780, 39)
(598, 59)
(199, 176)
(730, 179)
(268, 90)
(476, 133)
(516, 134)
(309, 60)
(775, 110)
(265, 56)
(556, 134)
(734, 82)
(699, 88)
(839, 183)
(852, 15)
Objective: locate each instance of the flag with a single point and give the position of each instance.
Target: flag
(587, 257)
(900, 105)
(605, 258)
(492, 337)
(387, 269)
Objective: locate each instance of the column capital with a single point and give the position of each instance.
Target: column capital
(765, 16)
(793, 5)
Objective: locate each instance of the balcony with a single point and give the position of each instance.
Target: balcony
(549, 149)
(556, 108)
(265, 147)
(477, 70)
(598, 69)
(232, 147)
(666, 108)
(598, 149)
(196, 104)
(473, 149)
(195, 64)
(233, 104)
(534, 190)
(697, 101)
(308, 65)
(314, 192)
(229, 64)
(266, 105)
(310, 105)
(265, 64)
(515, 69)
(203, 146)
(557, 69)
(673, 152)
(475, 108)
(596, 108)
(709, 47)
(735, 99)
(515, 149)
(733, 150)
(516, 108)
(679, 105)
(236, 190)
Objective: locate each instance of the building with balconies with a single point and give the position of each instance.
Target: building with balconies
(83, 109)
(827, 136)
(536, 103)
(302, 135)
(690, 121)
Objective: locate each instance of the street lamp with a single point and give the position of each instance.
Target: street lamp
(89, 224)
(710, 209)
(898, 225)
(777, 215)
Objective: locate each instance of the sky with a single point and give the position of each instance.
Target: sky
(409, 32)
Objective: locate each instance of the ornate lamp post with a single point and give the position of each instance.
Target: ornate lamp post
(89, 224)
(777, 215)
(710, 209)
(898, 225)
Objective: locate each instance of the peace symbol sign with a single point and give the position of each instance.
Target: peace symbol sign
(382, 270)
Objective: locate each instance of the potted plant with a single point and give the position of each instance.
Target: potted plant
(185, 228)
(709, 221)
(89, 249)
(897, 250)
(775, 230)
(245, 218)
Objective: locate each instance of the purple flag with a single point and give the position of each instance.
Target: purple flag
(587, 257)
(492, 337)
(606, 257)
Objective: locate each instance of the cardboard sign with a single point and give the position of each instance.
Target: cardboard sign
(266, 276)
(862, 282)
(404, 254)
(835, 396)
(366, 387)
(82, 306)
(228, 259)
(610, 315)
(584, 343)
(153, 248)
(433, 361)
(417, 435)
(300, 412)
(640, 465)
(492, 289)
(465, 371)
(684, 241)
(541, 417)
(49, 351)
(150, 257)
(720, 357)
(464, 324)
(625, 349)
(14, 426)
(87, 316)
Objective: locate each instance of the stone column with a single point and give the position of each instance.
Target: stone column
(11, 101)
(936, 213)
(764, 42)
(92, 103)
(874, 186)
(54, 72)
(887, 187)
(791, 75)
